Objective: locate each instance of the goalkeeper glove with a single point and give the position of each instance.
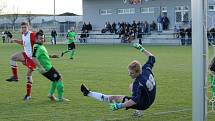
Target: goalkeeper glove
(116, 106)
(139, 47)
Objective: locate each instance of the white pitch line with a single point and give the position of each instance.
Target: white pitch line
(158, 113)
(173, 111)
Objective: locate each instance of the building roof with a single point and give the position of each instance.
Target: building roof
(23, 15)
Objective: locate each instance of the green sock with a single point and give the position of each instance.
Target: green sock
(60, 89)
(72, 53)
(52, 88)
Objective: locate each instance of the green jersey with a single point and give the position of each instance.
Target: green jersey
(42, 56)
(71, 37)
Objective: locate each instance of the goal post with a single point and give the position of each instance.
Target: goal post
(199, 60)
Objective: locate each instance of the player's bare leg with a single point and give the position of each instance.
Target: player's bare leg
(109, 98)
(17, 57)
(101, 97)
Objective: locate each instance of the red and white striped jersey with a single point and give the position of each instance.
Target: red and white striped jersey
(28, 43)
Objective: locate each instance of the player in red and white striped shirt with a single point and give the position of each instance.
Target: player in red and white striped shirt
(28, 40)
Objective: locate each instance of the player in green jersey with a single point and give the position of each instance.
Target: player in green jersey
(71, 43)
(42, 60)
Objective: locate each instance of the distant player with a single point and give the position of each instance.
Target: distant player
(28, 40)
(42, 60)
(143, 87)
(71, 43)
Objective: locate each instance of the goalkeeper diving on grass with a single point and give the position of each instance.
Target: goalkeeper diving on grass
(143, 87)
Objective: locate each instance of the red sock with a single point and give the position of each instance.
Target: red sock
(28, 88)
(14, 71)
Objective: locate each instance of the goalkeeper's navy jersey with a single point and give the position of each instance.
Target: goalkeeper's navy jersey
(144, 86)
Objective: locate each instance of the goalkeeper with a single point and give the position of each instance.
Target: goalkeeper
(143, 87)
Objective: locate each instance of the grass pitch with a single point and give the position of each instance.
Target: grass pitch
(102, 68)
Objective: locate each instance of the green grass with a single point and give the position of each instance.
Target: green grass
(104, 69)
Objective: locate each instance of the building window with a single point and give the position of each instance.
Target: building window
(147, 10)
(105, 12)
(164, 11)
(126, 11)
(211, 8)
(182, 14)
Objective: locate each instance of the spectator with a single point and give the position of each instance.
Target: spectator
(125, 37)
(138, 23)
(107, 27)
(176, 32)
(3, 37)
(89, 27)
(7, 36)
(131, 35)
(134, 25)
(113, 30)
(146, 27)
(212, 31)
(118, 28)
(104, 30)
(122, 32)
(122, 24)
(129, 25)
(84, 27)
(83, 37)
(54, 36)
(182, 34)
(210, 41)
(127, 28)
(189, 35)
(153, 26)
(159, 21)
(141, 24)
(140, 34)
(165, 22)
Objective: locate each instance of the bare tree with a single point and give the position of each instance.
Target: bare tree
(14, 16)
(29, 17)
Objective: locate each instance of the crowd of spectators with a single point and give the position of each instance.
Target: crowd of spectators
(129, 31)
(86, 28)
(54, 37)
(6, 36)
(186, 35)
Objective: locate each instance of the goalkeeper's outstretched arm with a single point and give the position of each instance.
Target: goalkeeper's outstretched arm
(142, 49)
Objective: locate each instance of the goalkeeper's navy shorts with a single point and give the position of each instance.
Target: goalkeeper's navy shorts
(144, 101)
(52, 74)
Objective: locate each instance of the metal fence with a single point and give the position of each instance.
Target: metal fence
(170, 38)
